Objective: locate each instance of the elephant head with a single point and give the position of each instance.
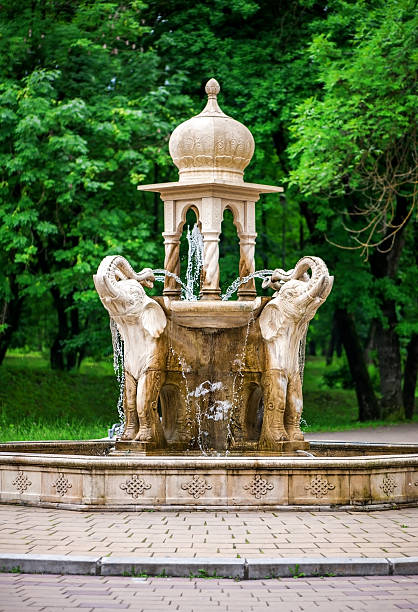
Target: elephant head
(298, 295)
(121, 291)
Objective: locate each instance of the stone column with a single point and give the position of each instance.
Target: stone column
(211, 219)
(247, 291)
(247, 237)
(210, 272)
(172, 264)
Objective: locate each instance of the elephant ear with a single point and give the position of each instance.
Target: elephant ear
(269, 322)
(153, 319)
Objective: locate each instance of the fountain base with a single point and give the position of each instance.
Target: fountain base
(145, 449)
(84, 475)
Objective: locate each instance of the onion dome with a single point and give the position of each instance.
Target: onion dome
(211, 147)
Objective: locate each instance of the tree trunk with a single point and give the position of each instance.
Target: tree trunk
(333, 341)
(57, 358)
(10, 317)
(62, 358)
(384, 263)
(389, 354)
(367, 402)
(410, 376)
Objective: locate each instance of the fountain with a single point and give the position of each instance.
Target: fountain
(211, 389)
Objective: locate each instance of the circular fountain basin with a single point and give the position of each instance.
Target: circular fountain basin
(212, 314)
(85, 475)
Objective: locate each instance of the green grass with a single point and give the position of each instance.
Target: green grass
(334, 409)
(37, 403)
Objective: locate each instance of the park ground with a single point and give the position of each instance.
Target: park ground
(37, 403)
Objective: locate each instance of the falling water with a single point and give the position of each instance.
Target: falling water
(238, 378)
(194, 267)
(302, 354)
(184, 368)
(218, 410)
(194, 261)
(240, 281)
(160, 275)
(118, 366)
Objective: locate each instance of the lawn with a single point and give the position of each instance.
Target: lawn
(39, 404)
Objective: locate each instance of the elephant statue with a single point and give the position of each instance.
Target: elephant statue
(283, 325)
(141, 322)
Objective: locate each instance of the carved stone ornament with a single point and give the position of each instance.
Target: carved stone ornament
(140, 321)
(388, 485)
(62, 484)
(211, 145)
(258, 486)
(319, 486)
(196, 487)
(21, 482)
(135, 486)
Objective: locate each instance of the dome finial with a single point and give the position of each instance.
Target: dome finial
(212, 88)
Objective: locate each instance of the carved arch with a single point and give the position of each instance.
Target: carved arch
(181, 218)
(236, 215)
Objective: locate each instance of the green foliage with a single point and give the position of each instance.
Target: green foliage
(84, 119)
(339, 377)
(357, 134)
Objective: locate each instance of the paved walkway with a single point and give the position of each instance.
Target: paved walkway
(406, 433)
(390, 533)
(50, 593)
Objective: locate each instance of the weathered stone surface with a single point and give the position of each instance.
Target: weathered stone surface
(303, 566)
(49, 564)
(131, 481)
(404, 566)
(218, 388)
(227, 568)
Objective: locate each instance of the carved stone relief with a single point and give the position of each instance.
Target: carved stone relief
(135, 486)
(388, 485)
(61, 485)
(196, 487)
(21, 482)
(258, 486)
(319, 486)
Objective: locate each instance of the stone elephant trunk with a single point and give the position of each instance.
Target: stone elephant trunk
(141, 322)
(283, 324)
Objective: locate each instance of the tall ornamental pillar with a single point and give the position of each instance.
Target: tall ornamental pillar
(211, 152)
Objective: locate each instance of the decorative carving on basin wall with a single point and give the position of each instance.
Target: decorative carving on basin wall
(319, 486)
(196, 487)
(388, 485)
(258, 486)
(21, 482)
(62, 484)
(135, 486)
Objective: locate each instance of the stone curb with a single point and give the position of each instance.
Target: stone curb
(50, 564)
(241, 569)
(170, 566)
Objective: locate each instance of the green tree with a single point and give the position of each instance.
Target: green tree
(355, 145)
(85, 117)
